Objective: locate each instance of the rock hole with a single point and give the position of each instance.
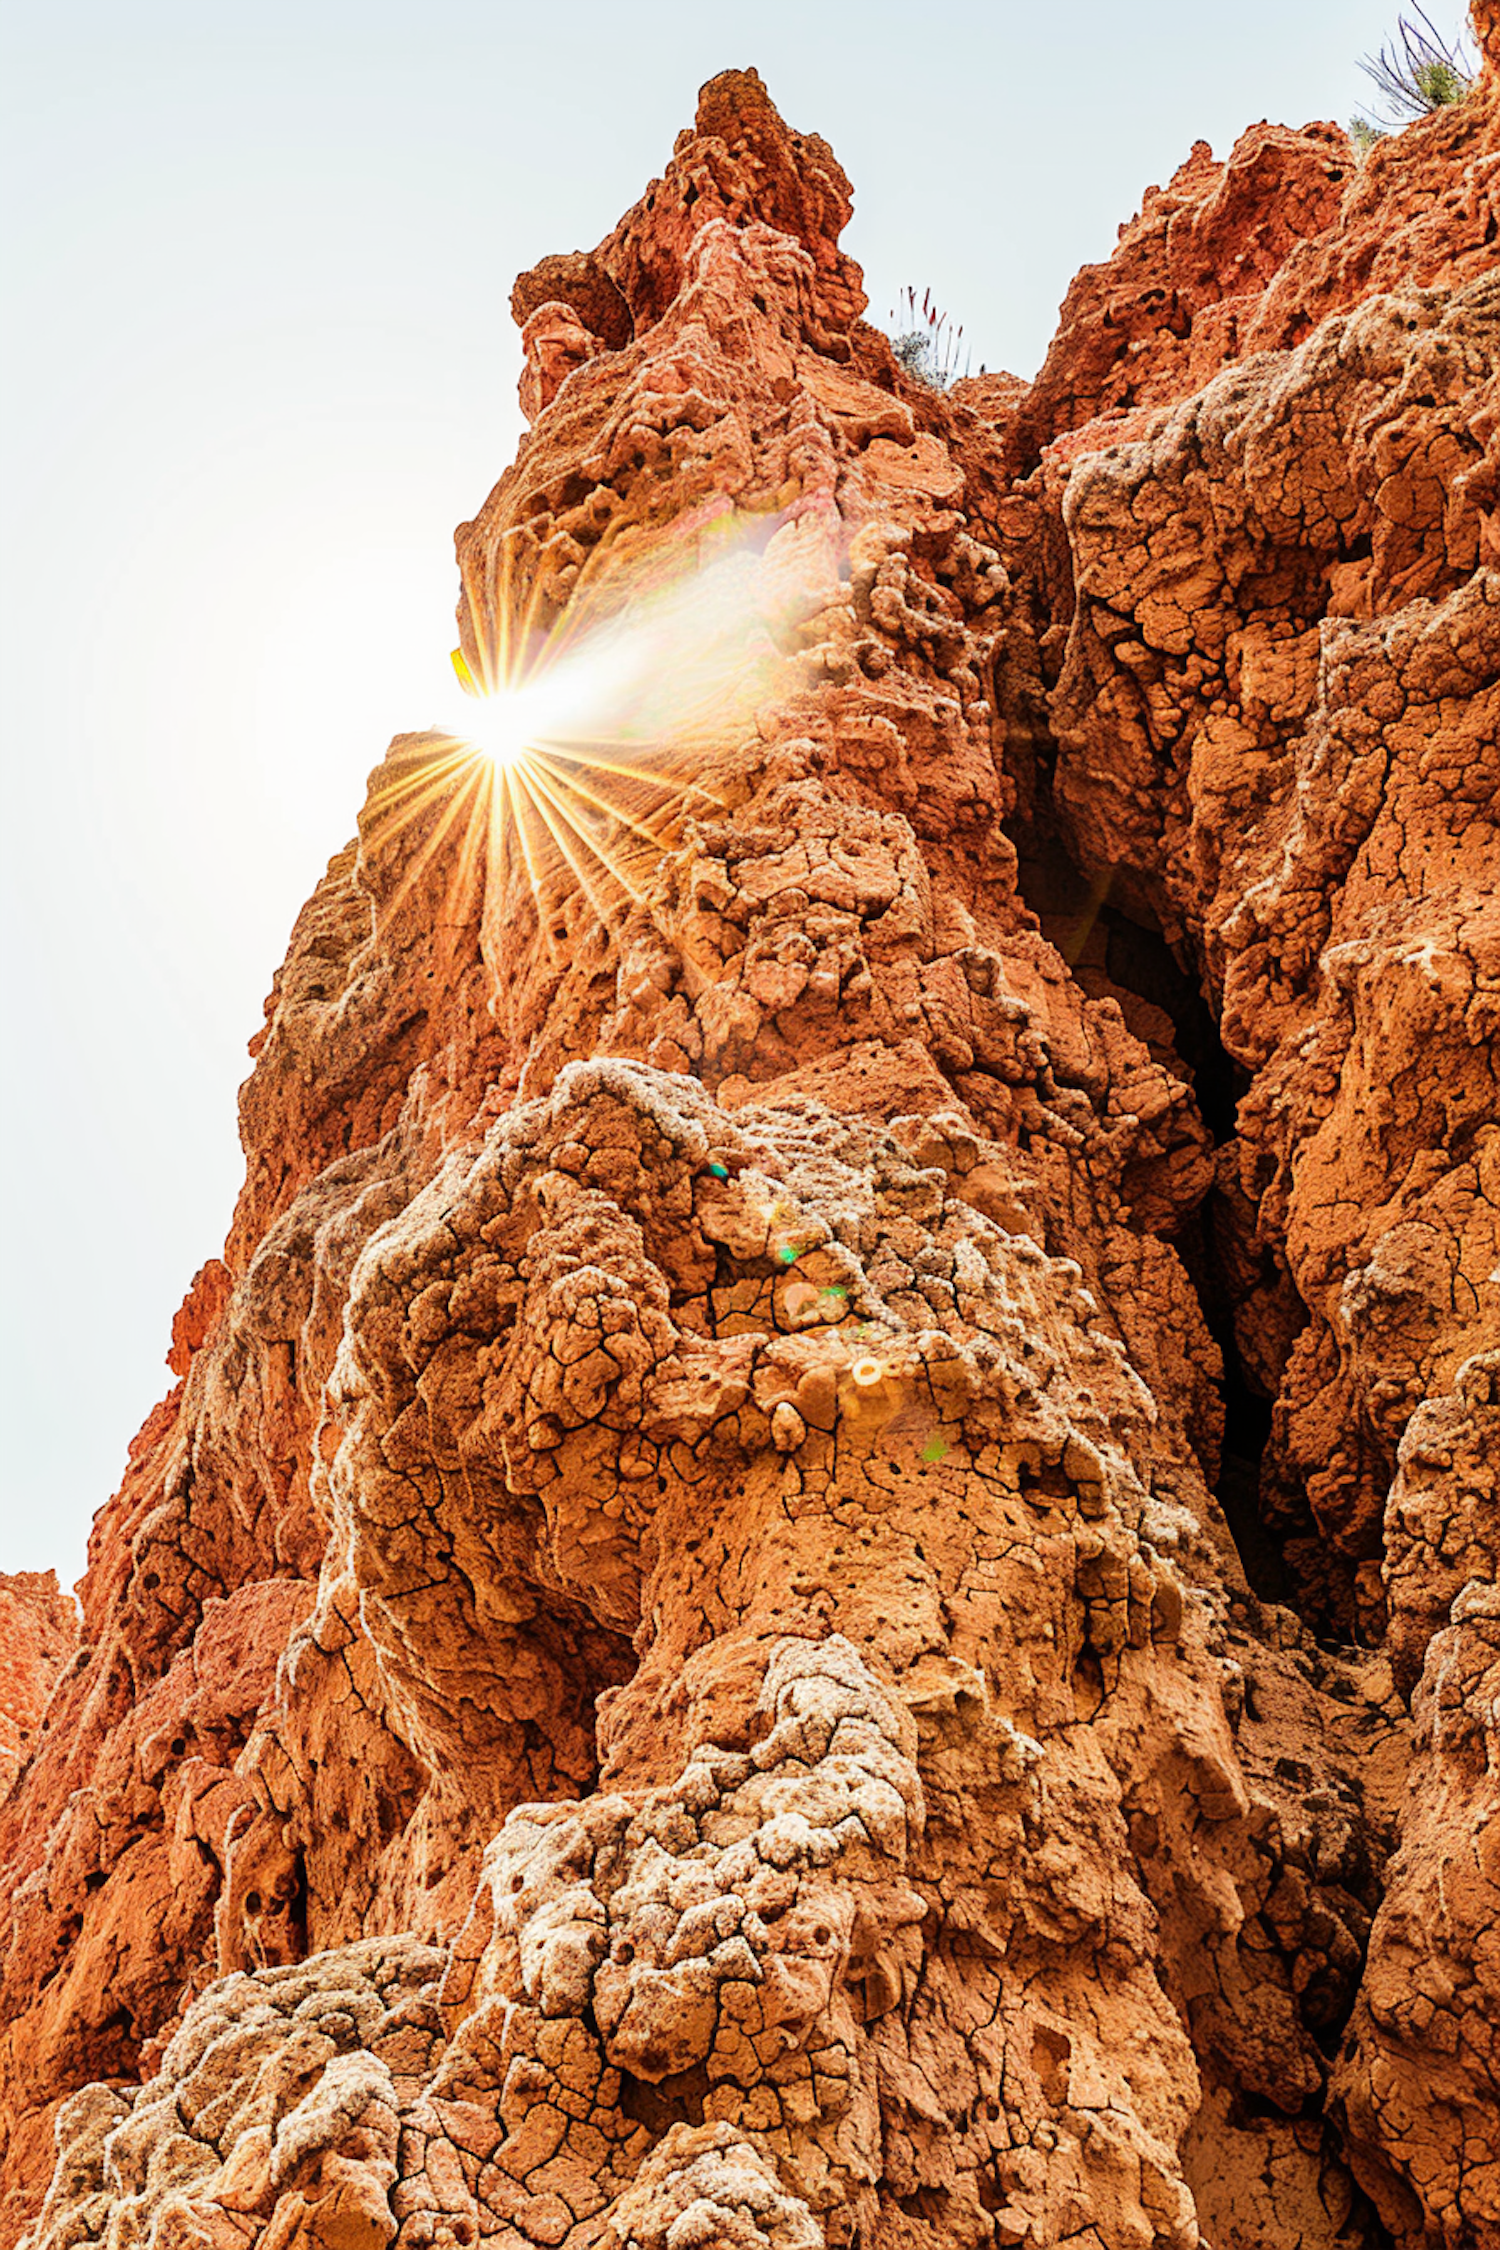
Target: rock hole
(1051, 2053)
(679, 2099)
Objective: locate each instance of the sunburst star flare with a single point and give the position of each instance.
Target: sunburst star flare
(573, 756)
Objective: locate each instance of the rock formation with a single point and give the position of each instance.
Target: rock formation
(705, 1652)
(38, 1633)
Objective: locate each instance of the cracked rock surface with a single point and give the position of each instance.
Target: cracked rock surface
(823, 1566)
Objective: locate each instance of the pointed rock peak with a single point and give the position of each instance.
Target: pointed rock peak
(739, 163)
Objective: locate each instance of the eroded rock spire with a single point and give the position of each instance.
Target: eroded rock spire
(674, 1671)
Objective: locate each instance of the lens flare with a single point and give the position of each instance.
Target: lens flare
(589, 727)
(500, 730)
(504, 725)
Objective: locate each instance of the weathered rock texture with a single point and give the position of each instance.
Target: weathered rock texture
(674, 1671)
(38, 1633)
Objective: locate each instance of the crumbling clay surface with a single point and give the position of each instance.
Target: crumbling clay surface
(823, 1568)
(38, 1633)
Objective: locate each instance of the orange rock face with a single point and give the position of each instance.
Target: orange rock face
(823, 1570)
(38, 1633)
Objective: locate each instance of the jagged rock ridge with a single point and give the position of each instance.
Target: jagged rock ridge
(674, 1670)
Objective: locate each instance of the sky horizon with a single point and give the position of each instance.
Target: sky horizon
(257, 272)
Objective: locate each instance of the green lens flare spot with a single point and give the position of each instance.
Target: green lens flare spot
(787, 1257)
(934, 1450)
(719, 1171)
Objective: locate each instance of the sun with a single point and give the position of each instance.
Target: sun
(500, 726)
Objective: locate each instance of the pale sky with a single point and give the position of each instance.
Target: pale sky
(259, 363)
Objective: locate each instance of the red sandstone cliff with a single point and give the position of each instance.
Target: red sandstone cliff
(675, 1670)
(38, 1633)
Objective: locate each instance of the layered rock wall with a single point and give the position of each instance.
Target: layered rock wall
(702, 1653)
